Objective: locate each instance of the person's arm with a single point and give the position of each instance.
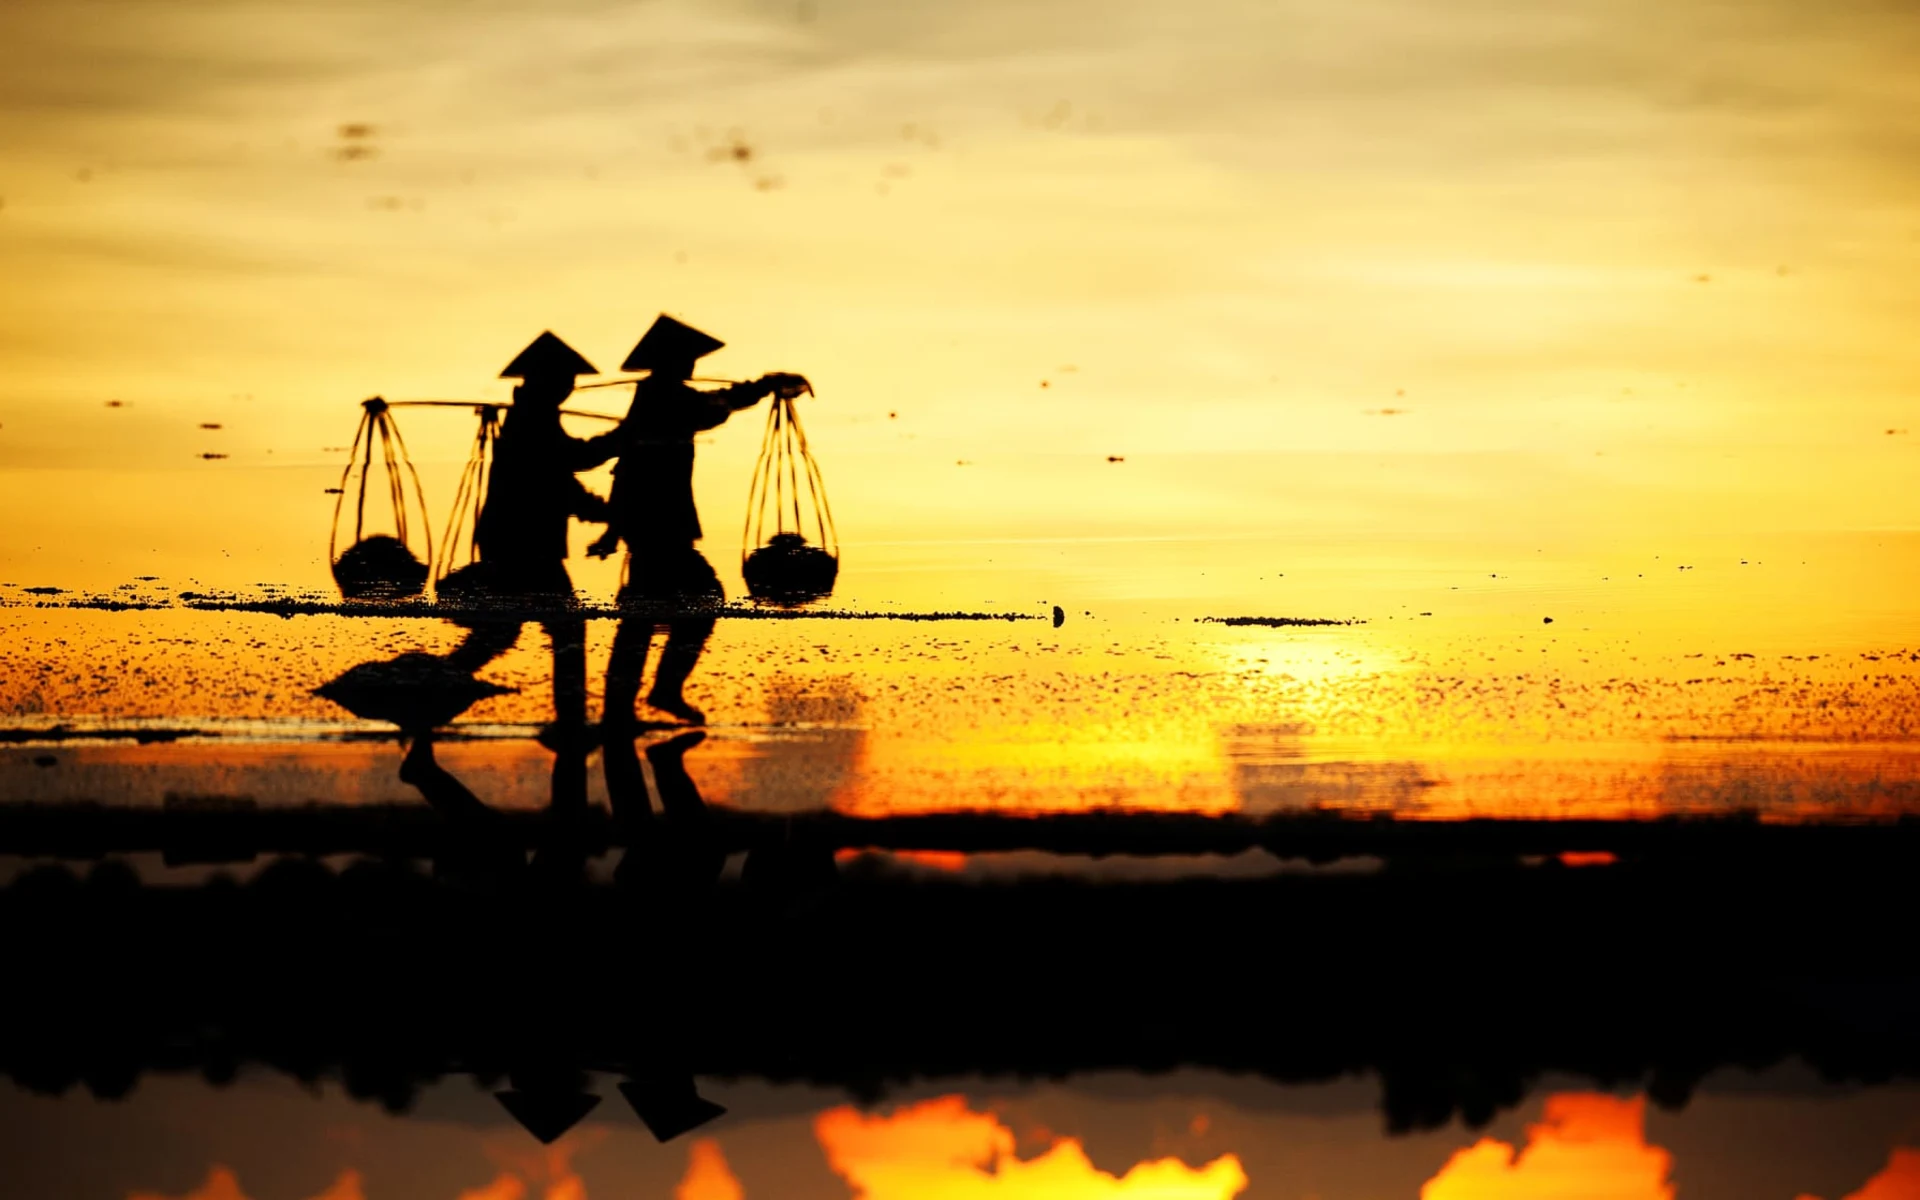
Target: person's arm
(584, 454)
(721, 403)
(786, 385)
(587, 504)
(734, 397)
(698, 409)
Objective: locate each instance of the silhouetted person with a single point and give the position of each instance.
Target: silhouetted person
(651, 508)
(521, 533)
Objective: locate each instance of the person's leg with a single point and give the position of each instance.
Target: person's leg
(694, 862)
(679, 796)
(477, 849)
(696, 591)
(633, 822)
(568, 636)
(686, 638)
(626, 785)
(626, 667)
(561, 856)
(439, 788)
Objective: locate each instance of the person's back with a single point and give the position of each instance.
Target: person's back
(532, 491)
(652, 498)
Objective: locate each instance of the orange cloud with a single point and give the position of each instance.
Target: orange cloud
(1588, 1147)
(1899, 1180)
(708, 1177)
(941, 1150)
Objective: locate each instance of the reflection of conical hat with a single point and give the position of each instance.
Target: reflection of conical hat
(669, 1105)
(547, 1115)
(547, 356)
(669, 343)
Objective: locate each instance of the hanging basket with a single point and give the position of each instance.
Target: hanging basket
(380, 566)
(458, 575)
(791, 553)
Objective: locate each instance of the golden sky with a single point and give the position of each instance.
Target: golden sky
(1617, 264)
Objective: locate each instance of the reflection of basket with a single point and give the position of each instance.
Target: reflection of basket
(788, 571)
(379, 566)
(779, 563)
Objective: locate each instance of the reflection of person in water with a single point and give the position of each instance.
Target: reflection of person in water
(522, 531)
(652, 510)
(678, 854)
(419, 693)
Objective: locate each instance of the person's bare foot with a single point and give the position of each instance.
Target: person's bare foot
(678, 706)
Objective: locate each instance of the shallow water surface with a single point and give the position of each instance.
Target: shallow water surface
(1572, 686)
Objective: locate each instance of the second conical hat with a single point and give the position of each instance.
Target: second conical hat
(669, 343)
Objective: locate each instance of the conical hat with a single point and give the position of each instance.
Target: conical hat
(547, 356)
(669, 343)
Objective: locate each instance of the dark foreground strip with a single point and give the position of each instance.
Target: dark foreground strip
(238, 831)
(1460, 989)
